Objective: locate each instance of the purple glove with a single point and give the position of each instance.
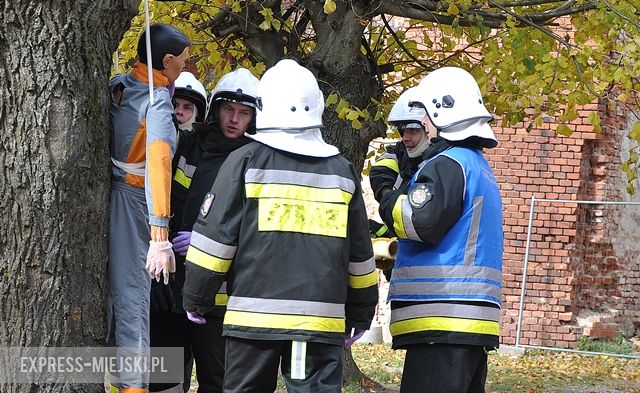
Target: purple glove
(352, 336)
(196, 318)
(181, 242)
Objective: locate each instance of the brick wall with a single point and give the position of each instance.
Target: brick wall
(583, 270)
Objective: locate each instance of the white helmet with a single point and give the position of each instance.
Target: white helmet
(289, 115)
(190, 88)
(402, 113)
(403, 116)
(237, 86)
(289, 99)
(453, 101)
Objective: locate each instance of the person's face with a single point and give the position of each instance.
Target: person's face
(173, 65)
(184, 110)
(411, 137)
(234, 118)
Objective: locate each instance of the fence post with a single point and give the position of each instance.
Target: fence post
(524, 272)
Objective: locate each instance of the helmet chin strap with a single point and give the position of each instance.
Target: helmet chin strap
(416, 151)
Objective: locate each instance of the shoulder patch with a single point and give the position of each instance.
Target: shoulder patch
(206, 205)
(419, 196)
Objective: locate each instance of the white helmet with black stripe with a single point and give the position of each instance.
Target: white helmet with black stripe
(451, 96)
(237, 86)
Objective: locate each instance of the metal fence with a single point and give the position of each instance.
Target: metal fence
(581, 273)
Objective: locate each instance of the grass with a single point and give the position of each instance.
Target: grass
(620, 344)
(536, 371)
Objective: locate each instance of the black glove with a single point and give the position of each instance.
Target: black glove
(162, 298)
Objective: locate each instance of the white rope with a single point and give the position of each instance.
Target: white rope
(148, 44)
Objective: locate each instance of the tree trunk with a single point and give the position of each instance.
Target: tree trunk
(54, 187)
(339, 65)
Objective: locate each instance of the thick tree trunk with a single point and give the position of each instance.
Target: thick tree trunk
(54, 157)
(339, 64)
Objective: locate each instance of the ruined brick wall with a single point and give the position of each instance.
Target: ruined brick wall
(582, 258)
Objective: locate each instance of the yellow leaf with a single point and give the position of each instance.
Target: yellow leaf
(329, 6)
(331, 99)
(635, 132)
(453, 10)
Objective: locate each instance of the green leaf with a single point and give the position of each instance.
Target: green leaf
(563, 129)
(529, 63)
(594, 119)
(352, 115)
(635, 132)
(453, 10)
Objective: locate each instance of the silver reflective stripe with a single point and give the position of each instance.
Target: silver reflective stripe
(134, 168)
(275, 176)
(464, 174)
(223, 288)
(388, 156)
(188, 170)
(212, 247)
(362, 268)
(453, 271)
(458, 290)
(288, 307)
(298, 359)
(407, 214)
(398, 182)
(474, 228)
(445, 310)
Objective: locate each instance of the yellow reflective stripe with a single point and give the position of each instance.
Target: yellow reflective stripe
(301, 193)
(381, 231)
(317, 218)
(398, 224)
(445, 324)
(283, 321)
(207, 261)
(222, 299)
(365, 281)
(389, 163)
(182, 179)
(113, 389)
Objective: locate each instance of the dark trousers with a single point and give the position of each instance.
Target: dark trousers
(252, 367)
(202, 343)
(444, 368)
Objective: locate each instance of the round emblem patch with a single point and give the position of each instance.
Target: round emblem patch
(419, 195)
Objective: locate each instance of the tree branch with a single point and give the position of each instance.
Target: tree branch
(401, 45)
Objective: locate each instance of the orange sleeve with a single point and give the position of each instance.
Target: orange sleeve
(159, 180)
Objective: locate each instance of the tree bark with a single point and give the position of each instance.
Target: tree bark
(54, 157)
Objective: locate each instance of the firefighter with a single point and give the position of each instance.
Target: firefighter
(400, 161)
(285, 223)
(445, 288)
(143, 140)
(198, 159)
(189, 101)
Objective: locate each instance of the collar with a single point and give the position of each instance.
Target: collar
(141, 73)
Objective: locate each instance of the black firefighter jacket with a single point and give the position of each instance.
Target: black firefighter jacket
(290, 234)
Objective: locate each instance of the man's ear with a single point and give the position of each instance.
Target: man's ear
(166, 59)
